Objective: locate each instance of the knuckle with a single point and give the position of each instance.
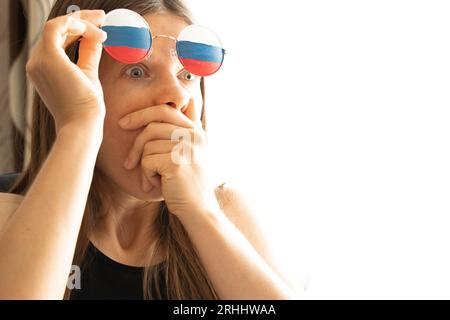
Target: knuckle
(151, 127)
(179, 134)
(66, 20)
(138, 148)
(53, 24)
(176, 168)
(49, 26)
(147, 129)
(30, 68)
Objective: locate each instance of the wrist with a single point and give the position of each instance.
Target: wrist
(90, 120)
(89, 131)
(210, 211)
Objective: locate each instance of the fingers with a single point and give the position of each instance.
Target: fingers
(153, 131)
(152, 148)
(90, 51)
(158, 146)
(146, 186)
(64, 30)
(94, 19)
(152, 181)
(86, 30)
(154, 165)
(161, 113)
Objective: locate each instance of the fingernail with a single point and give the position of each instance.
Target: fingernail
(104, 36)
(126, 164)
(124, 121)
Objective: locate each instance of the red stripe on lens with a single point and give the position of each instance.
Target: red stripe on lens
(200, 68)
(127, 54)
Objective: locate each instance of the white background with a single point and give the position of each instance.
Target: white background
(333, 118)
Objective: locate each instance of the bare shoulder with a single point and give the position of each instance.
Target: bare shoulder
(228, 196)
(240, 212)
(233, 203)
(9, 203)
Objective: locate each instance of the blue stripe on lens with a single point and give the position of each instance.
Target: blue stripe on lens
(199, 51)
(124, 36)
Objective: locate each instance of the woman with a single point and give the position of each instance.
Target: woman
(102, 191)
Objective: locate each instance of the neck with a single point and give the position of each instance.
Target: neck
(125, 232)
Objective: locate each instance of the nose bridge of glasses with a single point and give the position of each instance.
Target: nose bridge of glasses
(172, 51)
(164, 36)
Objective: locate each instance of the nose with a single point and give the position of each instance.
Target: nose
(167, 88)
(183, 107)
(173, 95)
(172, 104)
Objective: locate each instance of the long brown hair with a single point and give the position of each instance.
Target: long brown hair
(182, 275)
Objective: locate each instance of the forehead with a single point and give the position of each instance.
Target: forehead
(163, 23)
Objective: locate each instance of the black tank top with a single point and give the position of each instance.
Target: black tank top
(105, 279)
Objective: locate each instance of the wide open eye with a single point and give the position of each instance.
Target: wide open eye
(186, 75)
(135, 72)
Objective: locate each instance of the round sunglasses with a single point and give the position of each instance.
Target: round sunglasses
(130, 41)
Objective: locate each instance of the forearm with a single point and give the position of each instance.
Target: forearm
(236, 270)
(38, 242)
